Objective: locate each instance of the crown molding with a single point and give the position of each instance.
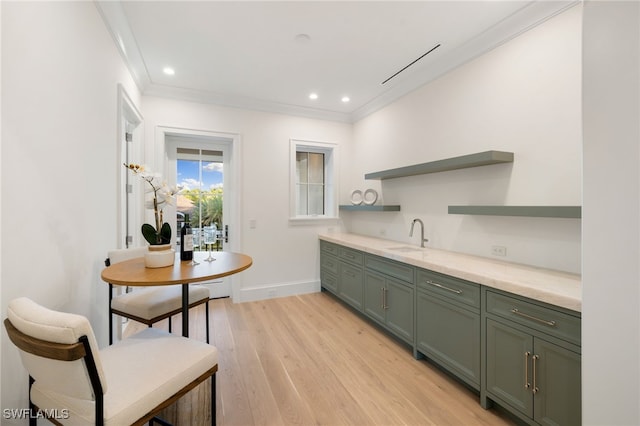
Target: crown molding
(530, 15)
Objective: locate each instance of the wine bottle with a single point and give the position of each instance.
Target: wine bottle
(186, 240)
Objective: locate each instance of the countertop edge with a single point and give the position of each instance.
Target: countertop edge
(556, 288)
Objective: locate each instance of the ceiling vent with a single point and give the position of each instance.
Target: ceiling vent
(412, 62)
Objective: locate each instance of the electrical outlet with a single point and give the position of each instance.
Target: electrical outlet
(498, 250)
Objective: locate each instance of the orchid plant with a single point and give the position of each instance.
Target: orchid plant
(162, 195)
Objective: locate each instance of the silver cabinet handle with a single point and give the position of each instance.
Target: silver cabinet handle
(382, 293)
(535, 387)
(527, 316)
(527, 385)
(452, 290)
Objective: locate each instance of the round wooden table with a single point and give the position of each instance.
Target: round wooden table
(133, 273)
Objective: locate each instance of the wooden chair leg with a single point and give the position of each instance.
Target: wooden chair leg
(213, 400)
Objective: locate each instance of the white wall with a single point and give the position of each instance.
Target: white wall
(611, 250)
(60, 72)
(523, 97)
(285, 256)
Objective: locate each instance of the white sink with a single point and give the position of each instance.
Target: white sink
(405, 249)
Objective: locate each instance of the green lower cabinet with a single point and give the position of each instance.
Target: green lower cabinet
(449, 334)
(350, 284)
(541, 380)
(390, 302)
(520, 353)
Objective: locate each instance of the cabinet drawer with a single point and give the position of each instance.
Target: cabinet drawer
(329, 263)
(329, 281)
(452, 288)
(541, 318)
(329, 248)
(350, 255)
(390, 268)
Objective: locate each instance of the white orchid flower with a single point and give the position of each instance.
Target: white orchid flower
(162, 195)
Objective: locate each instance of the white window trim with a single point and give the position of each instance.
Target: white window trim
(331, 181)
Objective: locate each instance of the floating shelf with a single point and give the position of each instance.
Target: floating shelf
(569, 212)
(374, 208)
(466, 161)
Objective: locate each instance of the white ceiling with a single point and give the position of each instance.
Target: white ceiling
(252, 54)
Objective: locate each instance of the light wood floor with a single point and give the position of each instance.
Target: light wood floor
(309, 360)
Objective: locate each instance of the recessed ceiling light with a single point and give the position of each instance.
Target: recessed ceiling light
(313, 96)
(302, 38)
(168, 71)
(345, 99)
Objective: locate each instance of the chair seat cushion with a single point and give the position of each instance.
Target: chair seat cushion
(153, 302)
(142, 371)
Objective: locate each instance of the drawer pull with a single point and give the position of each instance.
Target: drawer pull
(435, 284)
(527, 316)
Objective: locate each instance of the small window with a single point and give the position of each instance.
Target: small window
(313, 181)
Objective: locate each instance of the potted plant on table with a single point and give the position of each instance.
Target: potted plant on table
(160, 253)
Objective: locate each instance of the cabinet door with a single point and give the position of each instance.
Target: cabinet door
(509, 353)
(450, 335)
(374, 289)
(350, 285)
(557, 400)
(399, 312)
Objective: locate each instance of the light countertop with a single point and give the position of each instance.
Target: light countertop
(554, 287)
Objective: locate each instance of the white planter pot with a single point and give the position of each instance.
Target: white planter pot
(159, 256)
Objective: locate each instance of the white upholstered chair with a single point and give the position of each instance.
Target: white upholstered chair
(127, 383)
(151, 304)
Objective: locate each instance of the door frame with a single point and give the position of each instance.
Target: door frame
(129, 219)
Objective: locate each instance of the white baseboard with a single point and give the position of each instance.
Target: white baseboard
(252, 294)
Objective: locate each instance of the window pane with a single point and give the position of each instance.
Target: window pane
(316, 199)
(316, 167)
(302, 168)
(313, 192)
(200, 173)
(301, 202)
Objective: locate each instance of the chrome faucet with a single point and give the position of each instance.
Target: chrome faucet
(422, 238)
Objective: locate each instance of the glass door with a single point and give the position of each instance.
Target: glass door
(198, 166)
